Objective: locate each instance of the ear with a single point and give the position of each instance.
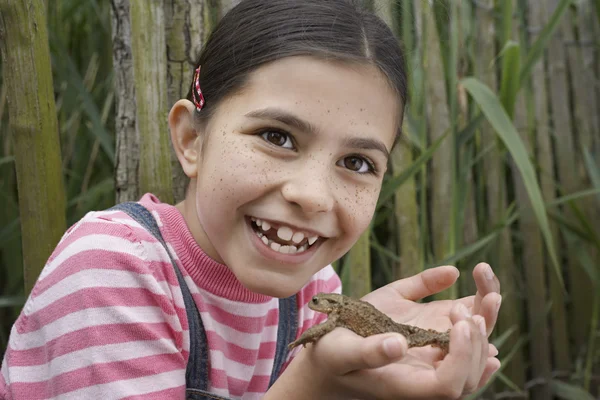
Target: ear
(184, 136)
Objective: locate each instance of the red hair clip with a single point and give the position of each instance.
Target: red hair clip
(197, 93)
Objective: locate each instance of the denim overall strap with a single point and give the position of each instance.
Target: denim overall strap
(196, 374)
(286, 333)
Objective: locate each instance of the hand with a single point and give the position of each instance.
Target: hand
(351, 366)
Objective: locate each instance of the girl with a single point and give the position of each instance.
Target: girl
(285, 136)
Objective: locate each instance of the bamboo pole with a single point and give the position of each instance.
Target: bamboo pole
(184, 29)
(34, 127)
(466, 188)
(557, 94)
(533, 250)
(405, 198)
(580, 59)
(495, 180)
(150, 79)
(438, 116)
(358, 261)
(127, 140)
(419, 105)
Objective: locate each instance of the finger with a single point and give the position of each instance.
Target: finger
(459, 312)
(480, 351)
(428, 282)
(489, 309)
(492, 350)
(486, 282)
(345, 351)
(492, 365)
(453, 371)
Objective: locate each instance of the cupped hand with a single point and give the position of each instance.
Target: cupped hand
(399, 299)
(383, 367)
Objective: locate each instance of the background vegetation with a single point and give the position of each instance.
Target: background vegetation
(500, 161)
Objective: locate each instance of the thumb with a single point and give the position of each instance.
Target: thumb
(345, 351)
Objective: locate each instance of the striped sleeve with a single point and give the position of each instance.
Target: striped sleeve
(104, 320)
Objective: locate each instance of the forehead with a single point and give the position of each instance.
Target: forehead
(336, 97)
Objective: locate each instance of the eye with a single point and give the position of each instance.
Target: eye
(278, 138)
(315, 300)
(359, 164)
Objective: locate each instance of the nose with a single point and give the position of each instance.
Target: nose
(309, 188)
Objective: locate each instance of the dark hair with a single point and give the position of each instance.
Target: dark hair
(256, 32)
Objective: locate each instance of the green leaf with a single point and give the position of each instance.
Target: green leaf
(71, 75)
(592, 168)
(7, 160)
(496, 115)
(475, 246)
(390, 187)
(569, 391)
(12, 301)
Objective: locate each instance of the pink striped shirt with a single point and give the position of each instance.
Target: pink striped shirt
(106, 318)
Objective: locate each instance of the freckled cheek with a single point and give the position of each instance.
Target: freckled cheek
(359, 207)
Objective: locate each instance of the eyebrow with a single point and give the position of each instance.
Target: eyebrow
(290, 119)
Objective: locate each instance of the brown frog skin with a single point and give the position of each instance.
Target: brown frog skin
(365, 320)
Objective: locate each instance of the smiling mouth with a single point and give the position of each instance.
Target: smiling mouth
(283, 239)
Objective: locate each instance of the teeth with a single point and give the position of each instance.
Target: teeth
(284, 233)
(298, 237)
(282, 249)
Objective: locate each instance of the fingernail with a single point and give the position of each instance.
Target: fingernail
(481, 323)
(392, 347)
(494, 352)
(499, 303)
(489, 274)
(464, 311)
(466, 331)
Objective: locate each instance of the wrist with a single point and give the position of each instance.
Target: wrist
(304, 379)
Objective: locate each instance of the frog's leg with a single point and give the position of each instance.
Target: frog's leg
(316, 332)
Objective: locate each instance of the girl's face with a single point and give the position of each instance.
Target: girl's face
(286, 175)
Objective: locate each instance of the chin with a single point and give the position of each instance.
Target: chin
(272, 287)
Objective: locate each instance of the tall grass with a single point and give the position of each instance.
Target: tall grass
(499, 161)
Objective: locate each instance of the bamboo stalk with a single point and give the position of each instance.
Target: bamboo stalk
(420, 108)
(533, 250)
(227, 5)
(438, 116)
(494, 169)
(184, 30)
(34, 127)
(580, 283)
(150, 78)
(561, 123)
(358, 262)
(127, 139)
(405, 198)
(465, 191)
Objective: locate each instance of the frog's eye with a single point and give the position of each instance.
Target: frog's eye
(315, 300)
